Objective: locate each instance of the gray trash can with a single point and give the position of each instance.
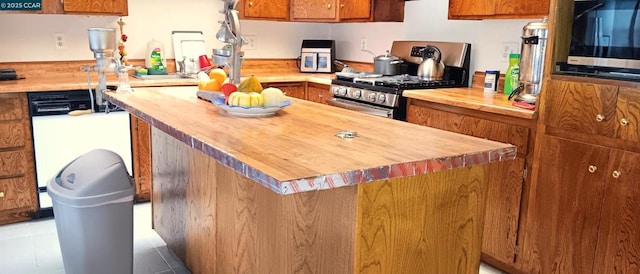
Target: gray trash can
(93, 209)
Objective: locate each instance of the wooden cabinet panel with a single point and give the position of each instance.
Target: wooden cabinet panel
(141, 152)
(12, 107)
(619, 239)
(581, 107)
(313, 9)
(16, 193)
(628, 114)
(355, 9)
(565, 213)
(524, 7)
(119, 7)
(12, 134)
(266, 9)
(318, 93)
(296, 90)
(518, 136)
(12, 163)
(471, 7)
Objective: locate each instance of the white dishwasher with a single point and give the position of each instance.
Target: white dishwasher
(59, 138)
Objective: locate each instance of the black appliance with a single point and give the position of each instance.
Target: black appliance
(382, 95)
(605, 39)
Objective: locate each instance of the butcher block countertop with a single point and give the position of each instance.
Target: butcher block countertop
(471, 98)
(297, 150)
(71, 81)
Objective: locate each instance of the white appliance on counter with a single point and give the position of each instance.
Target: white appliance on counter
(59, 138)
(317, 56)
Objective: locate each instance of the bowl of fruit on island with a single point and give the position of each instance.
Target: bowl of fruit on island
(248, 99)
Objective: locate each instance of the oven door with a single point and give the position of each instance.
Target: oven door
(309, 62)
(361, 107)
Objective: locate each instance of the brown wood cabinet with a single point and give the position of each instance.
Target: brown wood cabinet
(291, 89)
(17, 171)
(115, 7)
(488, 9)
(324, 10)
(585, 215)
(141, 153)
(265, 9)
(506, 182)
(318, 93)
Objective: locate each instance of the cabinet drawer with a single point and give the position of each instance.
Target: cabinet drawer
(12, 163)
(11, 107)
(12, 134)
(16, 193)
(581, 107)
(496, 131)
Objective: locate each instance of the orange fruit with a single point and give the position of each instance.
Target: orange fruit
(211, 85)
(218, 74)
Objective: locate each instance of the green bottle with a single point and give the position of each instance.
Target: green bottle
(512, 76)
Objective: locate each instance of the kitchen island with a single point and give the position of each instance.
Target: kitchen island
(284, 194)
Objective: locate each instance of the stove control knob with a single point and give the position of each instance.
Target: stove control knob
(342, 92)
(357, 93)
(381, 98)
(335, 90)
(372, 97)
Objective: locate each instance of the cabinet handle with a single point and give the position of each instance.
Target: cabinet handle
(599, 117)
(328, 6)
(616, 174)
(320, 95)
(342, 5)
(592, 168)
(624, 121)
(250, 4)
(1, 194)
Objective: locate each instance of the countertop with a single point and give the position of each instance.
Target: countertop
(70, 81)
(471, 98)
(297, 149)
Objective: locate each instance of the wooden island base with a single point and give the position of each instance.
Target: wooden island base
(218, 221)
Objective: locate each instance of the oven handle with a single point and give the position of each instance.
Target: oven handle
(370, 110)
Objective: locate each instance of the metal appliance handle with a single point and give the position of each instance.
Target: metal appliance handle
(336, 102)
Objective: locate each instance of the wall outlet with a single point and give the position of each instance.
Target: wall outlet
(363, 44)
(508, 48)
(58, 39)
(252, 42)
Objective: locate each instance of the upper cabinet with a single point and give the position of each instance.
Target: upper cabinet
(491, 9)
(265, 9)
(328, 11)
(115, 7)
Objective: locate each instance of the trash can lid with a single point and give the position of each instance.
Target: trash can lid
(96, 177)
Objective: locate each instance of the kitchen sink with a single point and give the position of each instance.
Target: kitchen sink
(173, 76)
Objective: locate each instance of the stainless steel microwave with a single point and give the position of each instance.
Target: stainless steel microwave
(606, 33)
(317, 56)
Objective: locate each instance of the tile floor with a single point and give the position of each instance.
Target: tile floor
(33, 248)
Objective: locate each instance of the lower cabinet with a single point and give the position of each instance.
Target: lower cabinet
(585, 217)
(318, 93)
(17, 170)
(291, 89)
(506, 184)
(141, 152)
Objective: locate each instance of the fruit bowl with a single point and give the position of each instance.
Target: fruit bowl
(248, 111)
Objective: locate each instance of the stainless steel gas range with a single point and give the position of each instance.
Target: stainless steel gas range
(382, 95)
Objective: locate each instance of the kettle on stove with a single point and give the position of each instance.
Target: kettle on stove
(431, 68)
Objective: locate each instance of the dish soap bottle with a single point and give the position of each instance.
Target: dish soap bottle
(154, 60)
(512, 76)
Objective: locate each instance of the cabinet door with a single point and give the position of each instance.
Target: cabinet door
(581, 107)
(355, 9)
(141, 153)
(505, 179)
(566, 206)
(628, 114)
(295, 90)
(522, 7)
(17, 193)
(318, 93)
(118, 7)
(461, 8)
(618, 238)
(266, 9)
(314, 10)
